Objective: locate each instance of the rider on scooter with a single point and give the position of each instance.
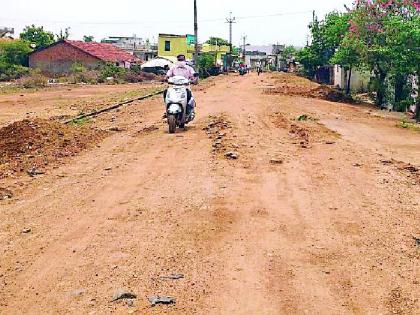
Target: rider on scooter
(182, 69)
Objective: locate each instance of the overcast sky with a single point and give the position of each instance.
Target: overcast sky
(101, 18)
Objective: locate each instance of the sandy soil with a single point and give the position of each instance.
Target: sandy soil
(66, 100)
(314, 217)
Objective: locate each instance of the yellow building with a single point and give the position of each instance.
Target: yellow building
(171, 45)
(218, 51)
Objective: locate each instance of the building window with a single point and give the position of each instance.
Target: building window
(167, 45)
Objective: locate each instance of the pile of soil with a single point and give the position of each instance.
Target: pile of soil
(287, 84)
(412, 170)
(31, 145)
(219, 129)
(301, 133)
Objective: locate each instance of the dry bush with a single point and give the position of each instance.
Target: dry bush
(34, 80)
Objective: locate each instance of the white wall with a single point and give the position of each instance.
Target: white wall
(359, 79)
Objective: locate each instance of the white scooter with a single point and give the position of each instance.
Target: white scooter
(177, 102)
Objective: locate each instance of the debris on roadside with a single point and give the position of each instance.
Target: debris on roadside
(412, 170)
(219, 130)
(5, 194)
(174, 276)
(33, 171)
(166, 300)
(276, 161)
(300, 133)
(387, 162)
(121, 294)
(417, 240)
(26, 231)
(116, 129)
(232, 155)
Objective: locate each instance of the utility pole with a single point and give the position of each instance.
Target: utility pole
(244, 47)
(196, 32)
(230, 20)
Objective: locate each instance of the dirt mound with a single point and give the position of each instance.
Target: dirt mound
(301, 133)
(287, 84)
(412, 170)
(30, 145)
(219, 129)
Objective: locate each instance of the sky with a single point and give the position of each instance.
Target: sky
(262, 21)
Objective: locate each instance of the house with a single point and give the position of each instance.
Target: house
(358, 82)
(6, 32)
(143, 50)
(59, 57)
(219, 52)
(267, 56)
(171, 45)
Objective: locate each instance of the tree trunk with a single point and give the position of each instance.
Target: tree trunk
(399, 87)
(380, 93)
(348, 88)
(417, 114)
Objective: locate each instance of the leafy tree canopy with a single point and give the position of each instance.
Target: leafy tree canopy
(15, 52)
(217, 41)
(88, 38)
(37, 36)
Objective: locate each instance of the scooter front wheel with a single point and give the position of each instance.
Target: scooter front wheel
(172, 123)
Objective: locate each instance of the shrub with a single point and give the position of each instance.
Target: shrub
(88, 77)
(13, 59)
(111, 70)
(34, 80)
(133, 77)
(15, 52)
(150, 76)
(11, 72)
(204, 63)
(77, 68)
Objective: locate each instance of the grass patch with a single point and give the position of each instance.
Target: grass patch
(408, 125)
(81, 121)
(305, 117)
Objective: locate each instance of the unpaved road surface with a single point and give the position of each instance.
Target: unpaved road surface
(66, 100)
(318, 216)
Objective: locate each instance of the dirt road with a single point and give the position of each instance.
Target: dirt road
(316, 216)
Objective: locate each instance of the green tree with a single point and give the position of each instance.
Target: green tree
(347, 56)
(290, 51)
(386, 30)
(37, 36)
(403, 40)
(15, 52)
(13, 59)
(88, 38)
(63, 35)
(327, 36)
(217, 41)
(204, 62)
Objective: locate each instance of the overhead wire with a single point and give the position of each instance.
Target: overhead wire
(149, 21)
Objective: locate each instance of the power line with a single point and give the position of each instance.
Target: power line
(149, 21)
(273, 15)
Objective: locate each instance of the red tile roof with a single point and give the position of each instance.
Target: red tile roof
(105, 52)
